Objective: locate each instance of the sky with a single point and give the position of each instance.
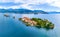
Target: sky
(45, 5)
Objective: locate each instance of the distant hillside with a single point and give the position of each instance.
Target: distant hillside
(22, 11)
(53, 12)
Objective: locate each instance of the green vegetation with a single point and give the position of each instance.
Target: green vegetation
(20, 18)
(43, 23)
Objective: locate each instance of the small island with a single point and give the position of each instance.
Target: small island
(6, 15)
(14, 17)
(37, 22)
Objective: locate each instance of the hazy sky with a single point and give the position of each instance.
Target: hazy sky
(46, 5)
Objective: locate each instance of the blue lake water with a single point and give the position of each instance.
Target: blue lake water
(10, 27)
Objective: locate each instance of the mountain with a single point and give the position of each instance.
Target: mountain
(22, 11)
(40, 11)
(54, 12)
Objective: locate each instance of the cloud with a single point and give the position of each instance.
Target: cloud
(45, 7)
(10, 4)
(4, 1)
(31, 4)
(55, 3)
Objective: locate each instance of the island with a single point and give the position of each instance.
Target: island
(14, 17)
(37, 22)
(6, 15)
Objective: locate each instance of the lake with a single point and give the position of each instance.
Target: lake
(12, 27)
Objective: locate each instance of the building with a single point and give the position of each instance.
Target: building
(29, 21)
